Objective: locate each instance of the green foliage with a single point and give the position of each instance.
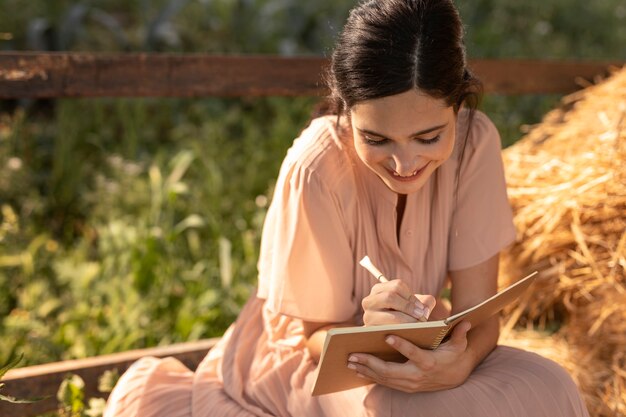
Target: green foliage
(107, 381)
(12, 363)
(150, 244)
(545, 29)
(71, 397)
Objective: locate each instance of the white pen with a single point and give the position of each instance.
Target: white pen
(367, 264)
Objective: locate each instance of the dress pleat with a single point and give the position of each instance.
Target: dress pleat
(153, 387)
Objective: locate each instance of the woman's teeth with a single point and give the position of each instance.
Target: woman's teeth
(395, 174)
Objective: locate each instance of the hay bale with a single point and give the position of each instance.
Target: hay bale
(599, 330)
(567, 184)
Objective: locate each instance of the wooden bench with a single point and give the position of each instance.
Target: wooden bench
(55, 75)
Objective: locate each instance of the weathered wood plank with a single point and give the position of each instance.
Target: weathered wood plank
(44, 380)
(165, 75)
(526, 76)
(48, 75)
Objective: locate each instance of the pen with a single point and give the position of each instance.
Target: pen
(367, 264)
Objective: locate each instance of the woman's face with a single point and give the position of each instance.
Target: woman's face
(403, 138)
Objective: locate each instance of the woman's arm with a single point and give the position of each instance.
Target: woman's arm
(315, 334)
(450, 364)
(469, 287)
(388, 302)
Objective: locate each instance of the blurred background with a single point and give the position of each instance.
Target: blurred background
(129, 223)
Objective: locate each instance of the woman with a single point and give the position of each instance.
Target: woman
(408, 173)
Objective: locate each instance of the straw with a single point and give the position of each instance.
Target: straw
(567, 185)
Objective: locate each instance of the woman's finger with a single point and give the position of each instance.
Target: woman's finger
(428, 301)
(376, 317)
(391, 374)
(422, 358)
(458, 338)
(396, 295)
(391, 300)
(377, 367)
(395, 285)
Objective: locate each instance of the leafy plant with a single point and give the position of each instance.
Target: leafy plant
(156, 246)
(71, 397)
(3, 370)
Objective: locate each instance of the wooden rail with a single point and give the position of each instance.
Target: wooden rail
(49, 75)
(44, 380)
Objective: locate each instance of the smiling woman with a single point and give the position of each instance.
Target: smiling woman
(419, 135)
(407, 172)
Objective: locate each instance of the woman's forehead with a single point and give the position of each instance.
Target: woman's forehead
(402, 114)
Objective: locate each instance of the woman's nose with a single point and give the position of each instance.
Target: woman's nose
(403, 164)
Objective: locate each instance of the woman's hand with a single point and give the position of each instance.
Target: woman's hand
(446, 367)
(393, 302)
(453, 361)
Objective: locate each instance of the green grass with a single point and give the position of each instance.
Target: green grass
(116, 246)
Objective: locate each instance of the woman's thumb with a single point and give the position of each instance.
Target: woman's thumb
(459, 334)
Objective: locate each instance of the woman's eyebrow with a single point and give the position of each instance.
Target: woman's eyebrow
(421, 132)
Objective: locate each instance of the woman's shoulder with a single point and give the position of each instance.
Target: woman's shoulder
(320, 153)
(318, 171)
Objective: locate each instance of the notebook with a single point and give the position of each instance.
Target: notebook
(333, 373)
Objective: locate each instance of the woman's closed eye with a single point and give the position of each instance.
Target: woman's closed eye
(429, 141)
(375, 141)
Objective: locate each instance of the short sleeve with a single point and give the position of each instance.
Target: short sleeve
(482, 220)
(306, 264)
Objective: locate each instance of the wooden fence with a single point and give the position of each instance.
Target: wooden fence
(37, 75)
(57, 75)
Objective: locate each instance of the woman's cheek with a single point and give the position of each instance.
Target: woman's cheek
(445, 148)
(369, 154)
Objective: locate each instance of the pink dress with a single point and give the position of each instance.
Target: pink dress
(328, 211)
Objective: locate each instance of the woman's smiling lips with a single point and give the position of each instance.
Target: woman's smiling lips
(409, 178)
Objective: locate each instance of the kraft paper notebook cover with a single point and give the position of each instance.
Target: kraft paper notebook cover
(333, 373)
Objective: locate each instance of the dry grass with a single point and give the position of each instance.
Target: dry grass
(567, 184)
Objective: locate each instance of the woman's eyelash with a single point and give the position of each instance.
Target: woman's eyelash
(377, 142)
(431, 140)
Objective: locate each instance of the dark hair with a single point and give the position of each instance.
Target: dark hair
(388, 47)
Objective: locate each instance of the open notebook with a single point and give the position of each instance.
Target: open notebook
(333, 373)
